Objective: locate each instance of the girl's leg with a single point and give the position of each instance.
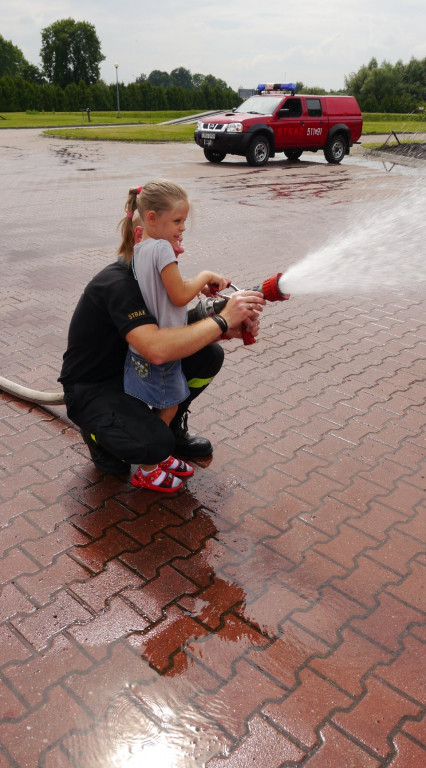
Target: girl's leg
(157, 475)
(166, 414)
(177, 467)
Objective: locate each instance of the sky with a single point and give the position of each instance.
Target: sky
(317, 43)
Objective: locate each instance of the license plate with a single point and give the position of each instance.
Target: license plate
(207, 135)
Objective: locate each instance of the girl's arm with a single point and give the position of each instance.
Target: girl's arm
(180, 291)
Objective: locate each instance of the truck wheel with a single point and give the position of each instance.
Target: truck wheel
(258, 151)
(335, 149)
(213, 156)
(293, 154)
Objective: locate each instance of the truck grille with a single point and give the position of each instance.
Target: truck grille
(214, 127)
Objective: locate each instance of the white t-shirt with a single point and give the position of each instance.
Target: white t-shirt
(149, 259)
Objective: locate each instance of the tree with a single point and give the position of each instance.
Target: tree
(99, 97)
(11, 59)
(157, 77)
(14, 64)
(177, 97)
(198, 80)
(212, 82)
(70, 52)
(181, 77)
(387, 87)
(32, 74)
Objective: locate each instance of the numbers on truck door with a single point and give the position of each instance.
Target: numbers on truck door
(314, 132)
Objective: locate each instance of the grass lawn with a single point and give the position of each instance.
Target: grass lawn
(128, 133)
(388, 123)
(144, 126)
(53, 119)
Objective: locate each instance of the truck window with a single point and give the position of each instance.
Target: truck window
(314, 107)
(291, 108)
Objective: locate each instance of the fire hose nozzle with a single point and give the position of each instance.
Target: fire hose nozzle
(271, 289)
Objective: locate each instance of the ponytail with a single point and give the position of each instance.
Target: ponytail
(125, 250)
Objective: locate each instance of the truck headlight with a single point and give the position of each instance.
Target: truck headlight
(235, 128)
(199, 125)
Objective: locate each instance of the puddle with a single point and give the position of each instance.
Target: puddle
(151, 724)
(73, 154)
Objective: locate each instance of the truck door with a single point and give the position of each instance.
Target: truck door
(288, 124)
(315, 129)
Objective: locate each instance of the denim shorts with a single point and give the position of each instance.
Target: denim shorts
(160, 386)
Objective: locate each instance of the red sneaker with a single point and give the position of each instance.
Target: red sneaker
(169, 484)
(182, 469)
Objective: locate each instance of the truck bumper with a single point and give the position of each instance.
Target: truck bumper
(229, 143)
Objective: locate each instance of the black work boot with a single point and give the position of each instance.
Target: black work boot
(103, 460)
(190, 446)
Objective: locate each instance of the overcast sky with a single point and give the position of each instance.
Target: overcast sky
(311, 41)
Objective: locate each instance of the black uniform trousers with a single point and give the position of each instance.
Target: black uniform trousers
(126, 427)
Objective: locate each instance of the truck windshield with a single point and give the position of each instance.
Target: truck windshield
(259, 105)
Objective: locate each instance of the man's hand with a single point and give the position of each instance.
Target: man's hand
(163, 345)
(252, 326)
(243, 308)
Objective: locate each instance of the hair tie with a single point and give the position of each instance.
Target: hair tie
(139, 190)
(129, 214)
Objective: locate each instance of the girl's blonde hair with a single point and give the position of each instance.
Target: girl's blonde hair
(159, 196)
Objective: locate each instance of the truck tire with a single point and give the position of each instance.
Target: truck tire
(213, 156)
(293, 154)
(258, 151)
(335, 149)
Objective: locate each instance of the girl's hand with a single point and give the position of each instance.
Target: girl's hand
(215, 284)
(178, 248)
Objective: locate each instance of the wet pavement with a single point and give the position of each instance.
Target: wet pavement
(270, 614)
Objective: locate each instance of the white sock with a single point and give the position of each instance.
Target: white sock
(174, 463)
(158, 480)
(160, 477)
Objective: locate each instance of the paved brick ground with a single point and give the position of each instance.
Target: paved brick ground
(271, 613)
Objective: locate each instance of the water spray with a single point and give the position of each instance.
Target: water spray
(272, 289)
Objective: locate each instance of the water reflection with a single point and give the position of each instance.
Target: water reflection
(142, 696)
(217, 640)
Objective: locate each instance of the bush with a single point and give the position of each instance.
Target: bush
(17, 95)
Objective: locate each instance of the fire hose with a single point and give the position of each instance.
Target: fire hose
(32, 395)
(271, 289)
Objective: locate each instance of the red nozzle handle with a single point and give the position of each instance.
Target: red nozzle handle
(248, 338)
(214, 287)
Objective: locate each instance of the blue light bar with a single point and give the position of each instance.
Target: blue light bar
(276, 87)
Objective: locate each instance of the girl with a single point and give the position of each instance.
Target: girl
(160, 209)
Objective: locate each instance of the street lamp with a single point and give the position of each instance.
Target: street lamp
(118, 95)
